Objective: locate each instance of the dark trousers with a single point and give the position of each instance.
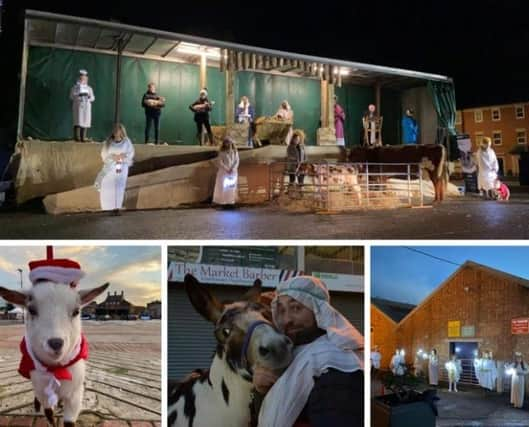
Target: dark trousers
(208, 130)
(292, 178)
(149, 121)
(79, 133)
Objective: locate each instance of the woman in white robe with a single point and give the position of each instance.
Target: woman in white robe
(225, 193)
(433, 368)
(518, 370)
(82, 97)
(488, 372)
(286, 114)
(453, 367)
(487, 168)
(117, 155)
(478, 369)
(397, 364)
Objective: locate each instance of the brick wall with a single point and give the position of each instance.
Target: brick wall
(475, 297)
(508, 124)
(383, 334)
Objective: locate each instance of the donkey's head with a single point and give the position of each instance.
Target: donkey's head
(245, 335)
(53, 324)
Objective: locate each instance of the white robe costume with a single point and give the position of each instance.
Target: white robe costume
(375, 359)
(225, 192)
(453, 367)
(433, 370)
(397, 365)
(489, 373)
(487, 169)
(82, 105)
(338, 349)
(517, 383)
(478, 370)
(287, 115)
(112, 179)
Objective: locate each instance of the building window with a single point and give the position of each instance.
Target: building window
(496, 137)
(479, 137)
(496, 114)
(478, 116)
(519, 112)
(521, 136)
(458, 117)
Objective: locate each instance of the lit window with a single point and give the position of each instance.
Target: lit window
(478, 116)
(496, 114)
(519, 111)
(496, 137)
(478, 137)
(521, 136)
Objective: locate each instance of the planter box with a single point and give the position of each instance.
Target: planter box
(415, 414)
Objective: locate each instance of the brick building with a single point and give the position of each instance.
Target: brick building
(117, 307)
(385, 316)
(154, 309)
(472, 310)
(507, 125)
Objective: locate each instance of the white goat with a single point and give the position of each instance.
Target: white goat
(54, 348)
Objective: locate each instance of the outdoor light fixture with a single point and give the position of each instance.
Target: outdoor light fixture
(424, 356)
(458, 349)
(194, 49)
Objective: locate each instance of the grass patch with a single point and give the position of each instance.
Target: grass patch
(117, 371)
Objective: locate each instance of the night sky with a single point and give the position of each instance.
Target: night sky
(399, 274)
(483, 45)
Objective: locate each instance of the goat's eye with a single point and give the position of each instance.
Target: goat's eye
(226, 332)
(32, 311)
(75, 312)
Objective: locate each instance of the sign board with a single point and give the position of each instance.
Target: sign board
(245, 276)
(468, 331)
(241, 256)
(454, 328)
(520, 326)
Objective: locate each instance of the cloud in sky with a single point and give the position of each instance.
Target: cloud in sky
(136, 270)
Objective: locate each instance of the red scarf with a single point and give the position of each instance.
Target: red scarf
(60, 372)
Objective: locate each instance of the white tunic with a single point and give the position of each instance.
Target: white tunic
(517, 383)
(487, 169)
(375, 359)
(112, 179)
(478, 369)
(454, 369)
(433, 370)
(82, 105)
(225, 192)
(397, 365)
(488, 374)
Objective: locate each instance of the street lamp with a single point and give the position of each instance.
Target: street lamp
(21, 287)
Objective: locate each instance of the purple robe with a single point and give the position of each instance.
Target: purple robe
(339, 118)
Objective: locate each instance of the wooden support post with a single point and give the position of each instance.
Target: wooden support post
(230, 100)
(323, 104)
(203, 71)
(330, 105)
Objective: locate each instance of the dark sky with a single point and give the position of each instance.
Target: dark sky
(401, 274)
(483, 45)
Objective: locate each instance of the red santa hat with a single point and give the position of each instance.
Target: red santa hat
(55, 270)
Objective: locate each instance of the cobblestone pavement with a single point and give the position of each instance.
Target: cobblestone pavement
(464, 218)
(123, 383)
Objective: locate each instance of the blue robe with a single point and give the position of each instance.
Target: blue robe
(410, 129)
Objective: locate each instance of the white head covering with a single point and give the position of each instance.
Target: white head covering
(83, 72)
(289, 395)
(313, 294)
(203, 91)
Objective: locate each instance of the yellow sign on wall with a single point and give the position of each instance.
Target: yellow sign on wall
(454, 328)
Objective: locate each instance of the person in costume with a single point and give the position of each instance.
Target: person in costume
(410, 128)
(488, 168)
(339, 123)
(225, 193)
(201, 108)
(82, 97)
(398, 363)
(518, 369)
(152, 103)
(323, 386)
(117, 155)
(433, 368)
(286, 114)
(453, 367)
(296, 158)
(244, 113)
(376, 357)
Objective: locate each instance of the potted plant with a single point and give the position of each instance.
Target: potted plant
(405, 406)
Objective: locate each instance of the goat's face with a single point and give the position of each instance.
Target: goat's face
(53, 324)
(243, 348)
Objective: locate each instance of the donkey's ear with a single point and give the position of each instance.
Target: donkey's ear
(14, 297)
(87, 295)
(254, 292)
(206, 304)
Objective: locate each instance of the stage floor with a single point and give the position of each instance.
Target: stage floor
(464, 218)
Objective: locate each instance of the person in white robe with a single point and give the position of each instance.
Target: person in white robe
(397, 364)
(376, 357)
(117, 155)
(478, 368)
(225, 193)
(418, 364)
(285, 113)
(453, 367)
(489, 372)
(82, 97)
(326, 346)
(517, 370)
(433, 368)
(488, 168)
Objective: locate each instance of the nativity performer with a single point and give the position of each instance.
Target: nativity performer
(487, 169)
(244, 113)
(372, 124)
(517, 370)
(201, 108)
(225, 193)
(118, 155)
(398, 364)
(433, 368)
(453, 367)
(286, 114)
(339, 123)
(82, 97)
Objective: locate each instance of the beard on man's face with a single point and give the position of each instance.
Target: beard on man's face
(304, 335)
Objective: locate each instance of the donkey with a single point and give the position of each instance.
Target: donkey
(246, 339)
(53, 347)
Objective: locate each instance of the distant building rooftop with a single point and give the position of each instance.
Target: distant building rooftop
(394, 309)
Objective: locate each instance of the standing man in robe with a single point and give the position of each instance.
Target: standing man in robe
(433, 368)
(518, 370)
(339, 120)
(410, 128)
(82, 97)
